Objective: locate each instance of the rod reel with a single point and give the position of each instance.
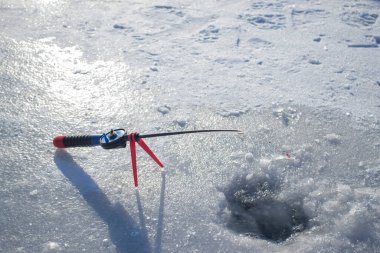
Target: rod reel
(113, 139)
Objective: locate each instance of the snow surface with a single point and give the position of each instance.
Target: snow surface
(300, 78)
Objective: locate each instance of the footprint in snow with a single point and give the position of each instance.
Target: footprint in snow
(266, 21)
(268, 5)
(359, 19)
(122, 26)
(168, 9)
(209, 34)
(307, 16)
(259, 43)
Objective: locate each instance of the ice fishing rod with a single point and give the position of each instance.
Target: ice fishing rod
(118, 138)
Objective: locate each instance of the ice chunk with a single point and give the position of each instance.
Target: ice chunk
(333, 138)
(249, 157)
(33, 193)
(106, 243)
(51, 247)
(181, 122)
(358, 225)
(314, 61)
(164, 109)
(287, 115)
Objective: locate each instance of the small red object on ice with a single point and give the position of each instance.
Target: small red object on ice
(133, 138)
(287, 154)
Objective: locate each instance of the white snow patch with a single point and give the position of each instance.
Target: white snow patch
(51, 247)
(33, 193)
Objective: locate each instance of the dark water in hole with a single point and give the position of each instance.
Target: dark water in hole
(255, 211)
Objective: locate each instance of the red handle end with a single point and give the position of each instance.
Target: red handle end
(58, 141)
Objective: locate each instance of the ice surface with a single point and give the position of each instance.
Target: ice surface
(300, 78)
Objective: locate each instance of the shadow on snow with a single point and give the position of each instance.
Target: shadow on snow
(125, 233)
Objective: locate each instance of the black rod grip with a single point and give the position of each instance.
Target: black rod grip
(76, 141)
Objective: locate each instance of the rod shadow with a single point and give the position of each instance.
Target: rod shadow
(161, 211)
(125, 233)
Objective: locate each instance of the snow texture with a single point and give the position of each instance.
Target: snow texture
(300, 78)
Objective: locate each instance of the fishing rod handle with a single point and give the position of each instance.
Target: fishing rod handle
(77, 141)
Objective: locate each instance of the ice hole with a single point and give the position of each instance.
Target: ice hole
(254, 209)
